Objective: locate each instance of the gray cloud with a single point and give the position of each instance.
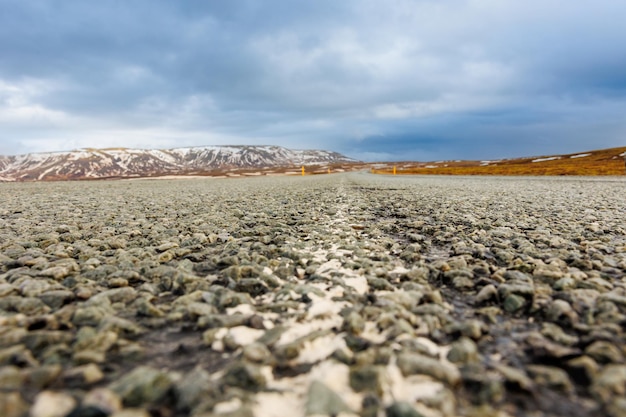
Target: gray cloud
(394, 79)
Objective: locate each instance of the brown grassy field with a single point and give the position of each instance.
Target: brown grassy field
(598, 162)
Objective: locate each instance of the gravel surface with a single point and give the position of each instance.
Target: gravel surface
(348, 294)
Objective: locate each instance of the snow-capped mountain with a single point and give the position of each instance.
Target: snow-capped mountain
(125, 162)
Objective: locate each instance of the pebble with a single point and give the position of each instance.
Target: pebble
(103, 399)
(604, 352)
(12, 405)
(321, 400)
(583, 370)
(191, 389)
(487, 293)
(413, 363)
(52, 404)
(245, 376)
(463, 351)
(256, 352)
(142, 385)
(402, 409)
(83, 375)
(610, 383)
(131, 412)
(366, 378)
(552, 377)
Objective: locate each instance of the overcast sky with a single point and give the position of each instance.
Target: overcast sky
(374, 79)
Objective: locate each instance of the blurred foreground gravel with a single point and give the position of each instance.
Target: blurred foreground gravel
(347, 294)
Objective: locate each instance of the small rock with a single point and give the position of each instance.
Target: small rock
(39, 339)
(354, 323)
(356, 343)
(26, 305)
(114, 295)
(515, 377)
(413, 363)
(43, 376)
(57, 298)
(88, 356)
(604, 352)
(583, 370)
(551, 377)
(12, 405)
(513, 303)
(482, 385)
(83, 375)
(252, 286)
(370, 406)
(145, 308)
(190, 389)
(11, 378)
(120, 326)
(17, 355)
(366, 378)
(245, 376)
(166, 257)
(90, 315)
(256, 352)
(564, 284)
(167, 246)
(463, 350)
(610, 383)
(617, 407)
(194, 310)
(321, 400)
(519, 286)
(117, 282)
(542, 348)
(83, 293)
(142, 385)
(462, 283)
(56, 272)
(402, 409)
(343, 355)
(556, 333)
(561, 311)
(52, 404)
(473, 329)
(486, 294)
(131, 412)
(548, 273)
(103, 399)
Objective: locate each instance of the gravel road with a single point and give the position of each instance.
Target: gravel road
(347, 294)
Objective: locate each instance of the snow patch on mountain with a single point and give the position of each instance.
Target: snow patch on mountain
(123, 162)
(551, 158)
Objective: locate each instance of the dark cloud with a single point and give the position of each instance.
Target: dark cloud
(382, 80)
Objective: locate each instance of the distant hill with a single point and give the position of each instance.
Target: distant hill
(598, 162)
(133, 163)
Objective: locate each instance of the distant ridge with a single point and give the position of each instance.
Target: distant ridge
(91, 163)
(597, 162)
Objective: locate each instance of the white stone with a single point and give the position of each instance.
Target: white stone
(52, 404)
(243, 335)
(359, 284)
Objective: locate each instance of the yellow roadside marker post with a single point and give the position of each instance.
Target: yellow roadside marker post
(303, 170)
(394, 170)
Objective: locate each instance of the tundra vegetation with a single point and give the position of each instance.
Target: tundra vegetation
(600, 162)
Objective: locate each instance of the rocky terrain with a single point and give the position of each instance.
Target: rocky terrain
(133, 163)
(348, 294)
